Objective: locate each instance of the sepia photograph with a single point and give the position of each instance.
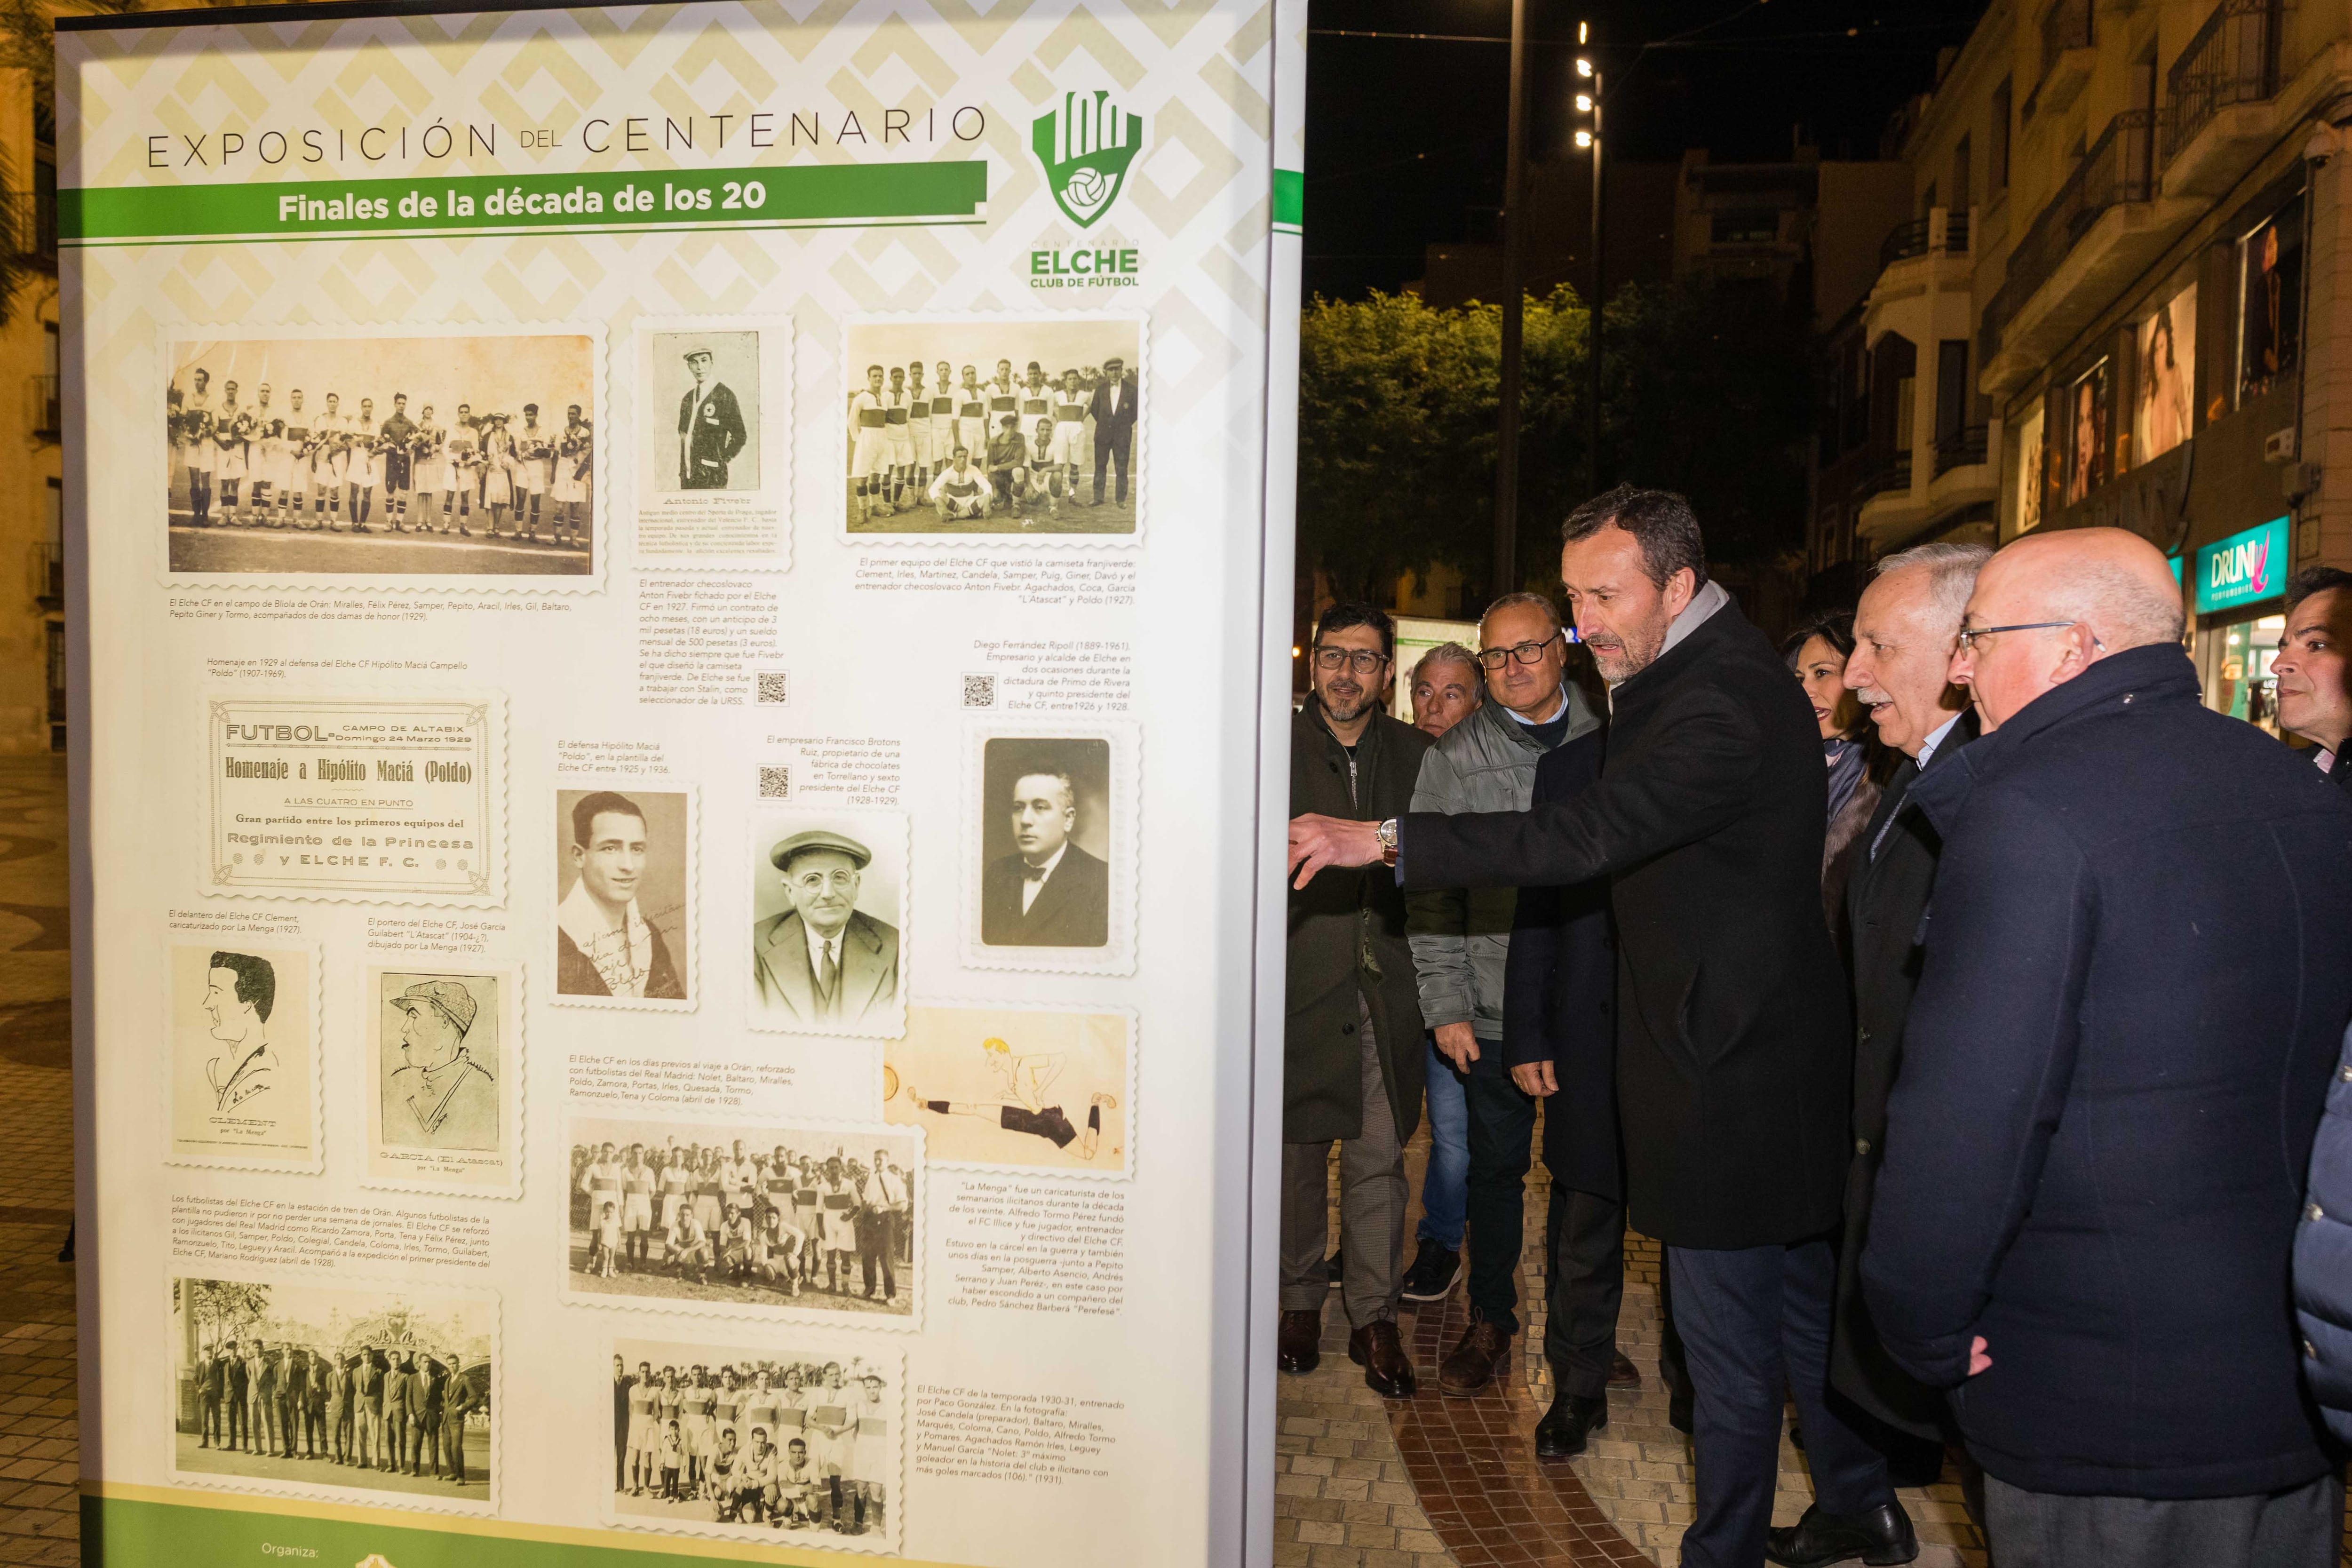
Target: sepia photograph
(1034, 1088)
(382, 1390)
(625, 898)
(782, 1218)
(444, 1043)
(1044, 811)
(993, 425)
(828, 903)
(245, 1056)
(701, 423)
(314, 456)
(799, 1444)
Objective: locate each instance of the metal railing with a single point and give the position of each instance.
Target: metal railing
(28, 228)
(44, 407)
(50, 575)
(2065, 25)
(2119, 168)
(1964, 448)
(1895, 476)
(2233, 58)
(1915, 236)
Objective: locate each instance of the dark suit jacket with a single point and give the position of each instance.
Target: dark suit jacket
(869, 966)
(1115, 428)
(713, 441)
(575, 975)
(1559, 991)
(1885, 903)
(2138, 968)
(1347, 952)
(1072, 910)
(1734, 1041)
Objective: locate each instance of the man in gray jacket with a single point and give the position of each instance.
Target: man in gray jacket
(1461, 941)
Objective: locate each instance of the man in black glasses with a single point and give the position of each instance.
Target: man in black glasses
(2138, 966)
(1734, 1048)
(1353, 1041)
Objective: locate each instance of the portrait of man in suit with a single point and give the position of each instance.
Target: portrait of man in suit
(1048, 891)
(621, 909)
(710, 429)
(823, 962)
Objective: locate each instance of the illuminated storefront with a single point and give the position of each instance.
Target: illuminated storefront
(2240, 586)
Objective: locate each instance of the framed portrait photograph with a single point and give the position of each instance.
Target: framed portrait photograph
(828, 913)
(713, 445)
(624, 880)
(444, 1099)
(245, 1055)
(1050, 849)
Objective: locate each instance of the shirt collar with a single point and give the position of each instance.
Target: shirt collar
(1053, 861)
(816, 946)
(1928, 749)
(1551, 718)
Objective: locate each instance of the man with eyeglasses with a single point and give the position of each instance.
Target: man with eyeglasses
(1461, 945)
(823, 962)
(1734, 1046)
(2138, 966)
(1352, 1040)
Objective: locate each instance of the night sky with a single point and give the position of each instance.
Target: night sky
(1405, 136)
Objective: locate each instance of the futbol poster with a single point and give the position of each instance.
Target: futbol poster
(675, 612)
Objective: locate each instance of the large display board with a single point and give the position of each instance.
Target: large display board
(678, 612)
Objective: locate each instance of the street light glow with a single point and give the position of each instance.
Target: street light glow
(1584, 103)
(1584, 138)
(1583, 34)
(1583, 65)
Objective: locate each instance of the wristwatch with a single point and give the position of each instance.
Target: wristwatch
(1385, 835)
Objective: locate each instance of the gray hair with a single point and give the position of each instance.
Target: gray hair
(1451, 653)
(2112, 600)
(1521, 601)
(1951, 574)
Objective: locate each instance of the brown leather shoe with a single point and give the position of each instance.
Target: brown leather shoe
(1623, 1373)
(1380, 1351)
(1485, 1351)
(1298, 1347)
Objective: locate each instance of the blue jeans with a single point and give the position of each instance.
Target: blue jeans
(1755, 1320)
(1446, 1184)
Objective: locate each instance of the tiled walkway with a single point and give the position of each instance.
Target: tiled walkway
(39, 1466)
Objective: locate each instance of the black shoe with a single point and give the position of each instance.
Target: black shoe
(1569, 1424)
(1623, 1373)
(1881, 1536)
(1482, 1354)
(1335, 1268)
(1298, 1344)
(1435, 1271)
(1388, 1368)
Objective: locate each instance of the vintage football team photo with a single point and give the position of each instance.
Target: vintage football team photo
(782, 1217)
(387, 1390)
(799, 1444)
(993, 425)
(1029, 1088)
(383, 457)
(624, 896)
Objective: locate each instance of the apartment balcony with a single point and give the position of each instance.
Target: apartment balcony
(2222, 109)
(2107, 223)
(44, 409)
(1924, 282)
(1892, 503)
(2067, 56)
(29, 229)
(49, 572)
(1965, 473)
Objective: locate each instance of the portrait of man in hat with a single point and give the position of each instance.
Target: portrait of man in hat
(443, 1094)
(823, 963)
(710, 429)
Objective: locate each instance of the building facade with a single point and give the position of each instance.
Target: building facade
(2124, 297)
(32, 493)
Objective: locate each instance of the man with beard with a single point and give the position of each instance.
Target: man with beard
(1352, 1043)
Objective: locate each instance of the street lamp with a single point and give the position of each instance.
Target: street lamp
(1588, 137)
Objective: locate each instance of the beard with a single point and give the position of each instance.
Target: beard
(1619, 656)
(1346, 703)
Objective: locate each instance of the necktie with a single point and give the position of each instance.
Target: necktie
(829, 981)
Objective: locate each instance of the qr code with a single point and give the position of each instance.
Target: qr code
(776, 784)
(776, 687)
(980, 691)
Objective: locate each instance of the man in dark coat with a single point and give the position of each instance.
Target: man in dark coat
(2138, 966)
(710, 428)
(212, 1380)
(2315, 680)
(1559, 1041)
(1734, 1054)
(1352, 1042)
(1048, 893)
(1112, 408)
(1904, 631)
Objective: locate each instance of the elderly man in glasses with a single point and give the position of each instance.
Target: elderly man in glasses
(1461, 945)
(2139, 965)
(1353, 1041)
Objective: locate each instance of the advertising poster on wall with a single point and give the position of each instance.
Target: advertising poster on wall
(675, 614)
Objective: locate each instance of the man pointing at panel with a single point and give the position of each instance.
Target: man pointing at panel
(1733, 1043)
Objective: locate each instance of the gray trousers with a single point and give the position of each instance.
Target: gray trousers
(2298, 1529)
(1372, 1197)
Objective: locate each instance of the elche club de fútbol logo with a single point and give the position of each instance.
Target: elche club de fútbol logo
(1085, 144)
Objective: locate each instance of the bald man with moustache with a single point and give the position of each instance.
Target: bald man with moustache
(2137, 964)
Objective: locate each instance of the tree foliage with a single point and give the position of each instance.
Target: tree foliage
(1706, 390)
(224, 1306)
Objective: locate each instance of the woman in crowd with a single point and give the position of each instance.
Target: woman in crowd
(1817, 652)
